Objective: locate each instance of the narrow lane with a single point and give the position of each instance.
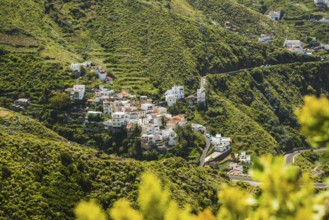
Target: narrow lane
(205, 151)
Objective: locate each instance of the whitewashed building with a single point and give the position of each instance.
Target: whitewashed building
(321, 3)
(119, 119)
(176, 92)
(78, 92)
(169, 136)
(294, 46)
(201, 95)
(274, 15)
(107, 107)
(220, 143)
(198, 128)
(147, 107)
(170, 99)
(265, 39)
(77, 66)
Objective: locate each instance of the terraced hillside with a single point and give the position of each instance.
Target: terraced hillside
(43, 176)
(146, 45)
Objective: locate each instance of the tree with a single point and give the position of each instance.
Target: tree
(60, 101)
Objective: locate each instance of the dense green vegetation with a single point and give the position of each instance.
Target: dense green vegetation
(129, 38)
(313, 163)
(43, 175)
(256, 107)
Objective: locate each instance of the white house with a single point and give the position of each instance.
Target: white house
(78, 92)
(274, 15)
(265, 39)
(177, 91)
(22, 102)
(171, 95)
(119, 119)
(235, 169)
(147, 107)
(245, 158)
(221, 143)
(201, 96)
(324, 20)
(77, 66)
(198, 128)
(107, 107)
(294, 46)
(321, 3)
(292, 43)
(170, 99)
(102, 75)
(169, 136)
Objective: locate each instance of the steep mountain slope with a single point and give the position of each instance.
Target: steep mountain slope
(43, 176)
(256, 107)
(130, 38)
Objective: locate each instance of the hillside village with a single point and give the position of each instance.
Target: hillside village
(125, 111)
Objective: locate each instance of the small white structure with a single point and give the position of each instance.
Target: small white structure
(292, 43)
(221, 143)
(22, 102)
(274, 15)
(102, 75)
(235, 169)
(176, 92)
(265, 39)
(294, 46)
(198, 128)
(78, 92)
(324, 20)
(245, 158)
(321, 3)
(170, 99)
(169, 136)
(107, 107)
(143, 98)
(201, 95)
(119, 119)
(147, 107)
(77, 66)
(326, 47)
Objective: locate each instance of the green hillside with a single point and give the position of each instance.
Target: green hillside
(256, 107)
(43, 176)
(129, 38)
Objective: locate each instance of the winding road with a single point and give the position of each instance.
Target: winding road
(290, 159)
(205, 151)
